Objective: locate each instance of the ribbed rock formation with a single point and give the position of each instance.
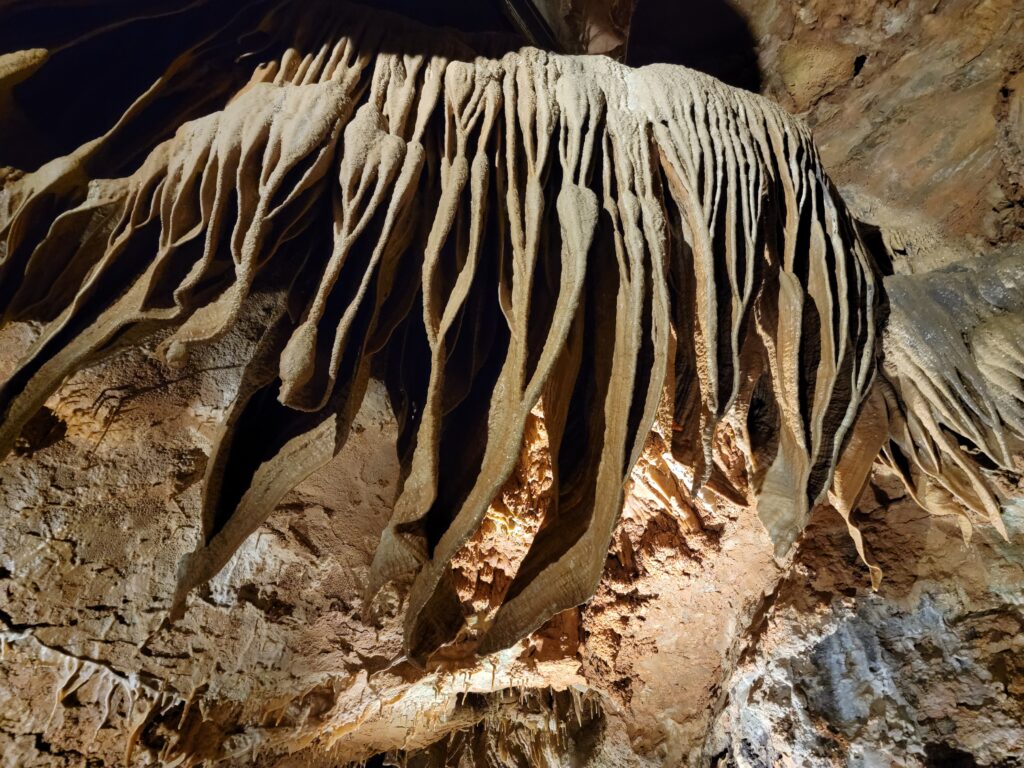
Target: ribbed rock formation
(514, 243)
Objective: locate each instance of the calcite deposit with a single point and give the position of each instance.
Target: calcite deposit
(375, 392)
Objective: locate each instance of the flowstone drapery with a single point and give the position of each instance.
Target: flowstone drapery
(492, 236)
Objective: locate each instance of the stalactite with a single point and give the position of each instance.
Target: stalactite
(486, 233)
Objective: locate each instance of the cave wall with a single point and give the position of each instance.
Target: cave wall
(700, 645)
(917, 110)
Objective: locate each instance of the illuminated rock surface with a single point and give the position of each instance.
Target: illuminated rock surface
(345, 364)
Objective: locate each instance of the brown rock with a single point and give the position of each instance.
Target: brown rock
(323, 263)
(811, 70)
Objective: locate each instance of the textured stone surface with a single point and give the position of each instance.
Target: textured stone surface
(487, 235)
(925, 141)
(926, 671)
(699, 647)
(920, 135)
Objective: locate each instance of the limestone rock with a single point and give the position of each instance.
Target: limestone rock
(371, 390)
(657, 178)
(812, 70)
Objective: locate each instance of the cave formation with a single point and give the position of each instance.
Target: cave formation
(567, 278)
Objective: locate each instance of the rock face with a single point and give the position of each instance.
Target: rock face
(924, 137)
(925, 671)
(346, 364)
(924, 141)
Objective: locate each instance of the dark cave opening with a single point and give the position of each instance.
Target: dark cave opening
(710, 36)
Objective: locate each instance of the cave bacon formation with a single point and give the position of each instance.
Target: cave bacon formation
(491, 232)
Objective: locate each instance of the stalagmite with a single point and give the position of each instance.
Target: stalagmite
(487, 231)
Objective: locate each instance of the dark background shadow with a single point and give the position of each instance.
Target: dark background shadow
(707, 35)
(466, 15)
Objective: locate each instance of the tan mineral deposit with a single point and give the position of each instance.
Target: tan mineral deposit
(591, 383)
